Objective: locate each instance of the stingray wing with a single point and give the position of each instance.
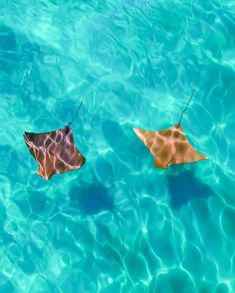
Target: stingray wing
(169, 146)
(54, 151)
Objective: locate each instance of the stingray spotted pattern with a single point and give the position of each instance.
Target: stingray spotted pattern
(169, 146)
(54, 151)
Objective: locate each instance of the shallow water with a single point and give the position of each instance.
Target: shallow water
(117, 224)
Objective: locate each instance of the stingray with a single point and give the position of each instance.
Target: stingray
(55, 151)
(170, 146)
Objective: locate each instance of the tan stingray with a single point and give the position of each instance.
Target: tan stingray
(170, 146)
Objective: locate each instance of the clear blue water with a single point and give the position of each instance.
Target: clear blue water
(118, 224)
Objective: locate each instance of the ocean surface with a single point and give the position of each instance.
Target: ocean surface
(117, 224)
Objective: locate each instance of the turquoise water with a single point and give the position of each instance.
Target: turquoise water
(117, 224)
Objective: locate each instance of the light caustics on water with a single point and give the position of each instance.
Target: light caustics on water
(117, 224)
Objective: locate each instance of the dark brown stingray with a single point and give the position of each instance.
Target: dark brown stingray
(54, 151)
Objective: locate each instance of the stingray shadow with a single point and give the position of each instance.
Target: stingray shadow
(185, 186)
(91, 199)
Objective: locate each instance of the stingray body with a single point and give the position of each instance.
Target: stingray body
(54, 151)
(169, 146)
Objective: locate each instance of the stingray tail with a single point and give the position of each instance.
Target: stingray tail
(74, 118)
(181, 117)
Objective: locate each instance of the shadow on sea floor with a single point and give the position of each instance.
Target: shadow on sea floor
(185, 186)
(91, 199)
